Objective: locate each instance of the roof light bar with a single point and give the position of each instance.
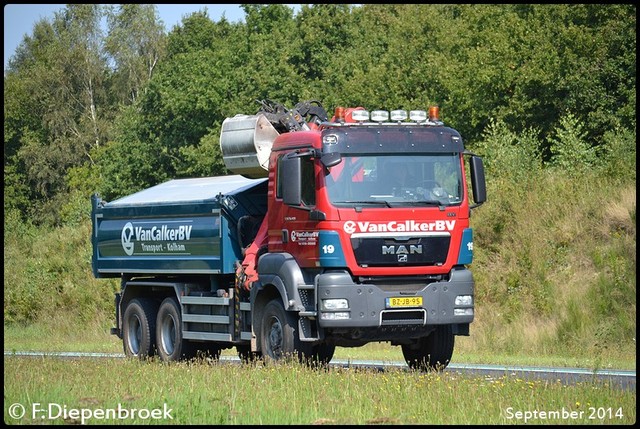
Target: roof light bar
(362, 116)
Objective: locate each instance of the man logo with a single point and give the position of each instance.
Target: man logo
(125, 238)
(412, 249)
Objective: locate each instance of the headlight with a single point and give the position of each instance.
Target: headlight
(418, 115)
(464, 300)
(335, 304)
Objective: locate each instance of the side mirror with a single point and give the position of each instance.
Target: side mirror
(478, 184)
(291, 166)
(330, 159)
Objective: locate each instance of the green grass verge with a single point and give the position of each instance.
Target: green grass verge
(75, 391)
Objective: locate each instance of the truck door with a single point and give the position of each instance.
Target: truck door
(298, 232)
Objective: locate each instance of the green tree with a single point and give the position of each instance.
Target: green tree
(77, 102)
(61, 72)
(569, 148)
(128, 163)
(136, 43)
(321, 31)
(25, 106)
(165, 133)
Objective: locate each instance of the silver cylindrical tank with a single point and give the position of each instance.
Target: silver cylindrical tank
(245, 142)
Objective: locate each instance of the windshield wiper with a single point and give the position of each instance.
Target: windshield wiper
(418, 203)
(424, 203)
(377, 202)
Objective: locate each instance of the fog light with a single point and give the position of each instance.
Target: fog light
(335, 304)
(339, 315)
(463, 311)
(464, 300)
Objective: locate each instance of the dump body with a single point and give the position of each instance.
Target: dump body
(183, 226)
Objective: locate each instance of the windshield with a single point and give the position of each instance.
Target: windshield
(396, 180)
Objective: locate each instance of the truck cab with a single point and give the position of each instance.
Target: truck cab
(371, 221)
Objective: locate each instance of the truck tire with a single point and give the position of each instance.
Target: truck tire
(323, 353)
(171, 346)
(138, 328)
(279, 338)
(246, 355)
(432, 353)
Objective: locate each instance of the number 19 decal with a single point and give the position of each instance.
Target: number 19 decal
(328, 249)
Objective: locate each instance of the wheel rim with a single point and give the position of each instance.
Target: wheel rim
(275, 338)
(168, 334)
(134, 334)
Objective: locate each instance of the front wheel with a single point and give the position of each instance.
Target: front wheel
(431, 353)
(171, 345)
(278, 333)
(317, 356)
(323, 353)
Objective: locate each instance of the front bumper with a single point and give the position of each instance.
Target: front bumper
(367, 303)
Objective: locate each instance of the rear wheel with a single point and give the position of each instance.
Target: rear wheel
(171, 345)
(431, 353)
(138, 328)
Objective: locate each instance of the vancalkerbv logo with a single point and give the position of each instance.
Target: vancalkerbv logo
(411, 226)
(167, 237)
(127, 235)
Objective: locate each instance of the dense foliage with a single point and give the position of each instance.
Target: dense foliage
(114, 109)
(545, 93)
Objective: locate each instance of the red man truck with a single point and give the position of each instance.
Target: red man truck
(330, 232)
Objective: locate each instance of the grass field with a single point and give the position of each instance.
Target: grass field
(53, 391)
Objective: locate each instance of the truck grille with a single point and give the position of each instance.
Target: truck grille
(404, 317)
(390, 251)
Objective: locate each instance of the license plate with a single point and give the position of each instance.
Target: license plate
(404, 301)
